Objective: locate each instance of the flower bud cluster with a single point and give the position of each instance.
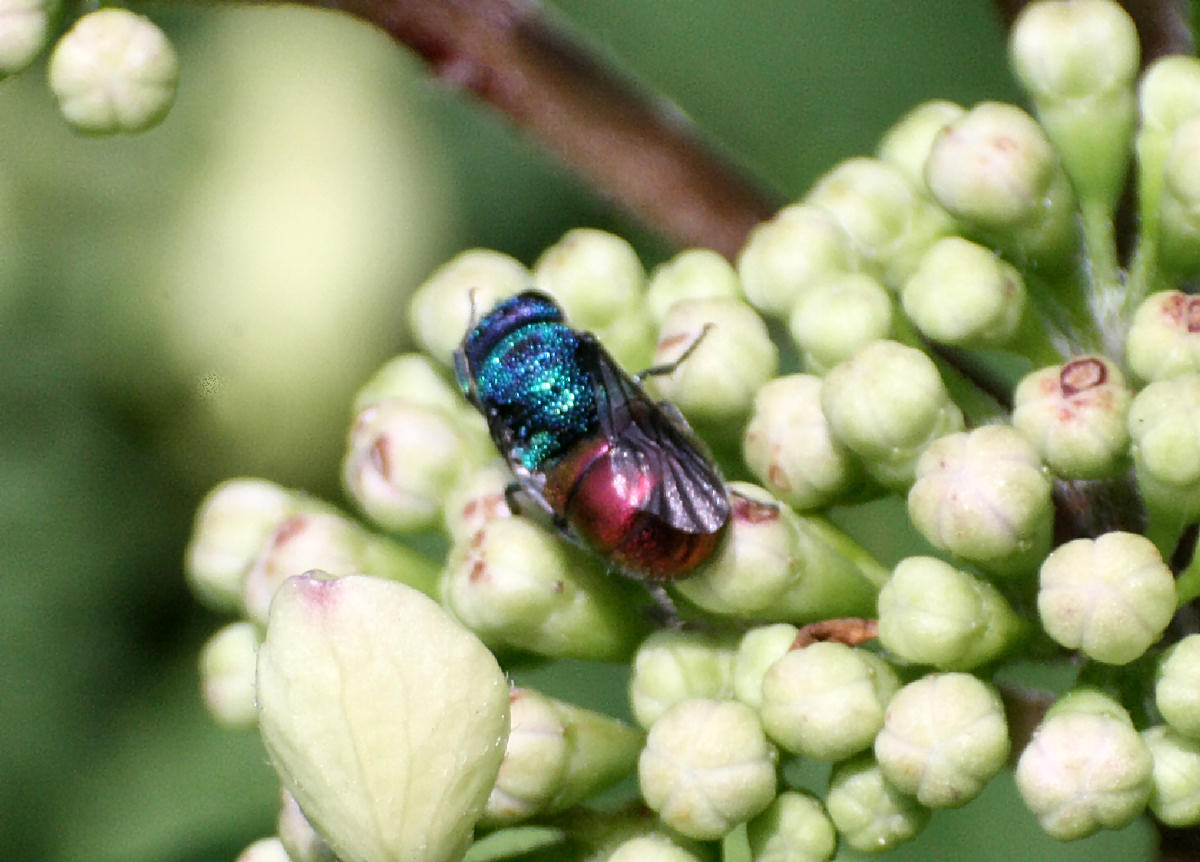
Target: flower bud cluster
(976, 231)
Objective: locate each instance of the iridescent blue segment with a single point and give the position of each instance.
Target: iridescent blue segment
(527, 377)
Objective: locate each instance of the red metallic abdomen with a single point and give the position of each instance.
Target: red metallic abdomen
(607, 509)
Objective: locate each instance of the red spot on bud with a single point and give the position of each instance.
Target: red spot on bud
(778, 478)
(478, 570)
(754, 512)
(667, 344)
(380, 456)
(1079, 375)
(288, 530)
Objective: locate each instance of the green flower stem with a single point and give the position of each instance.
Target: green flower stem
(1187, 583)
(843, 546)
(1099, 243)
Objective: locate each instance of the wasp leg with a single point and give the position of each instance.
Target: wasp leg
(668, 367)
(663, 614)
(751, 502)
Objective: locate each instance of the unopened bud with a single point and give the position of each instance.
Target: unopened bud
(227, 675)
(114, 71)
(835, 319)
(794, 828)
(23, 28)
(1175, 797)
(696, 273)
(785, 256)
(871, 815)
(673, 666)
(906, 145)
(1164, 338)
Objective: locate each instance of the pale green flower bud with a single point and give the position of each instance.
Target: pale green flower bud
(520, 586)
(302, 842)
(227, 675)
(794, 828)
(1085, 769)
(776, 565)
(984, 496)
(460, 292)
(995, 170)
(963, 294)
(648, 848)
(402, 457)
(265, 850)
(696, 273)
(1075, 416)
(759, 648)
(557, 755)
(787, 444)
(827, 700)
(673, 666)
(1078, 60)
(595, 275)
(1164, 338)
(411, 377)
(1177, 689)
(833, 320)
(715, 385)
(889, 224)
(871, 814)
(1090, 701)
(1168, 95)
(943, 739)
(783, 257)
(630, 338)
(23, 28)
(114, 71)
(1180, 203)
(932, 613)
(906, 145)
(1164, 424)
(1175, 796)
(384, 718)
(335, 544)
(887, 403)
(707, 767)
(231, 526)
(1110, 597)
(477, 498)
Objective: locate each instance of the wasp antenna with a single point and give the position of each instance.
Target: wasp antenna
(668, 367)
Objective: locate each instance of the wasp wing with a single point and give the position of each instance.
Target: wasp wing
(655, 449)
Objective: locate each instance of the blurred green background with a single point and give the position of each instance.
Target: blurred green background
(201, 301)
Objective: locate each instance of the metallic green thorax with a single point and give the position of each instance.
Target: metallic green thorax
(532, 379)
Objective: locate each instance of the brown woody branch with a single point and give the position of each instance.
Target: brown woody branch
(640, 151)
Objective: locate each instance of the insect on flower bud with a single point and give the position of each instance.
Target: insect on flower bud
(384, 717)
(871, 815)
(673, 666)
(114, 71)
(1110, 597)
(834, 319)
(1085, 769)
(459, 292)
(707, 767)
(783, 257)
(943, 739)
(794, 828)
(827, 700)
(887, 403)
(984, 496)
(1075, 416)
